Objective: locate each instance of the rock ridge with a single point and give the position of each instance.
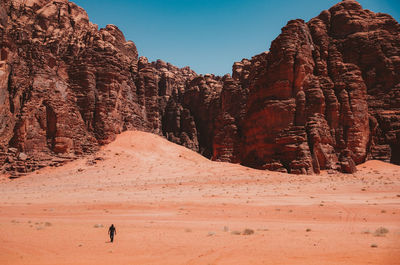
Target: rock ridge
(326, 96)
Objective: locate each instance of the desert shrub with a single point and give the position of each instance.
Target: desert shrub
(381, 231)
(248, 231)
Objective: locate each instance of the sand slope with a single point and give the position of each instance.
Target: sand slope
(173, 206)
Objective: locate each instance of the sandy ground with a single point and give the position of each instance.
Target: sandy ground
(172, 206)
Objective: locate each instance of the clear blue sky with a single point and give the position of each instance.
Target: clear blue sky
(209, 35)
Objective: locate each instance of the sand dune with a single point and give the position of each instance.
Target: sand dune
(173, 206)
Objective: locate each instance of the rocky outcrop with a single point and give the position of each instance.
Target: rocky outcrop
(326, 95)
(67, 87)
(322, 94)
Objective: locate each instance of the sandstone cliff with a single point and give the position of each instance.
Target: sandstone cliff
(326, 95)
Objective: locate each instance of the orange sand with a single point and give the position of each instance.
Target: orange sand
(172, 206)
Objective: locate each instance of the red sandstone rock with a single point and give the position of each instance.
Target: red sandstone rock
(326, 95)
(327, 75)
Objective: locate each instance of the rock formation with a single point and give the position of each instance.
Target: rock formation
(326, 95)
(323, 94)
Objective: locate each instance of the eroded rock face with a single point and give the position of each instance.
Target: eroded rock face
(327, 82)
(67, 87)
(326, 95)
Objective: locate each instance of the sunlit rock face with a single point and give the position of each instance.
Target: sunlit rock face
(326, 95)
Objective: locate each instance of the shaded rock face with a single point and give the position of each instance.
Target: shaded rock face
(326, 95)
(67, 87)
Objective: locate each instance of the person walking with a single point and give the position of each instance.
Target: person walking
(111, 232)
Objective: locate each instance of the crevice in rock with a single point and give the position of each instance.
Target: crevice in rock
(10, 91)
(51, 124)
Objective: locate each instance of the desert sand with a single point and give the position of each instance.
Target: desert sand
(172, 206)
